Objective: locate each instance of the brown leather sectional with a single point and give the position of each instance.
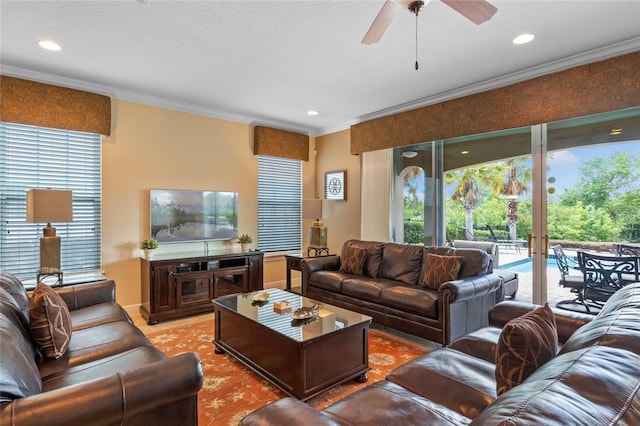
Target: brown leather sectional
(111, 374)
(389, 289)
(593, 380)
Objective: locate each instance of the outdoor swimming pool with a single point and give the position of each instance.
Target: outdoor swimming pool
(524, 265)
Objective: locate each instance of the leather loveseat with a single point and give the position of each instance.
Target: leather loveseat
(109, 374)
(594, 379)
(406, 287)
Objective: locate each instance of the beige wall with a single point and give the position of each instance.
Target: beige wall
(333, 154)
(151, 147)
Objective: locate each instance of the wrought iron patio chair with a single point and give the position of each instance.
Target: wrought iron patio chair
(627, 250)
(574, 282)
(604, 275)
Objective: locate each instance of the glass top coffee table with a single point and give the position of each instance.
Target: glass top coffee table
(303, 357)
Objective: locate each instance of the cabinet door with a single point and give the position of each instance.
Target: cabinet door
(230, 281)
(162, 289)
(255, 273)
(193, 289)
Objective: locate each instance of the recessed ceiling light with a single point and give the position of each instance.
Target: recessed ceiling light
(523, 38)
(49, 45)
(465, 152)
(312, 112)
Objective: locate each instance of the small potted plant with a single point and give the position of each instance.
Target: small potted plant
(148, 246)
(245, 240)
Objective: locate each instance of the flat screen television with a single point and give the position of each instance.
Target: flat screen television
(180, 216)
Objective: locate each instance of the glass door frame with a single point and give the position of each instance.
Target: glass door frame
(538, 239)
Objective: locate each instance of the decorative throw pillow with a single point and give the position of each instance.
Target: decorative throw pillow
(525, 344)
(50, 321)
(440, 269)
(352, 259)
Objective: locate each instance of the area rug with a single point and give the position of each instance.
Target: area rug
(231, 391)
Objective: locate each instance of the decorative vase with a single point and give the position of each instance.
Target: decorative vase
(148, 253)
(243, 247)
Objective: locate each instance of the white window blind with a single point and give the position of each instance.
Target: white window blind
(279, 204)
(38, 157)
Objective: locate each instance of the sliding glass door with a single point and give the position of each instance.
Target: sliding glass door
(592, 188)
(529, 189)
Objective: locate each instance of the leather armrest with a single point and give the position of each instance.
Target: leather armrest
(567, 322)
(287, 411)
(469, 288)
(110, 400)
(310, 265)
(83, 295)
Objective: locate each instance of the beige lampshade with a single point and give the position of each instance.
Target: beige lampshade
(317, 209)
(49, 205)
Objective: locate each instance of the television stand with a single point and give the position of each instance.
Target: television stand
(174, 286)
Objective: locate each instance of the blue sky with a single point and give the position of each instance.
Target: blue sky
(565, 165)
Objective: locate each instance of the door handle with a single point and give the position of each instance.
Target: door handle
(530, 238)
(546, 246)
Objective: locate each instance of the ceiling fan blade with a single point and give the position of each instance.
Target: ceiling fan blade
(477, 11)
(381, 23)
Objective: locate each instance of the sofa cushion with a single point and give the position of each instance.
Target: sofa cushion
(480, 343)
(94, 343)
(597, 385)
(15, 288)
(453, 379)
(401, 262)
(369, 289)
(412, 299)
(475, 262)
(440, 269)
(525, 343)
(385, 403)
(50, 321)
(19, 375)
(374, 255)
(617, 324)
(101, 313)
(103, 367)
(352, 259)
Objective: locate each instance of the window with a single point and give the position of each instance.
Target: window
(38, 157)
(279, 204)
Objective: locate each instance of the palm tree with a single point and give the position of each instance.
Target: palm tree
(470, 183)
(517, 184)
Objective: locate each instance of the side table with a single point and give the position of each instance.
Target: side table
(50, 272)
(293, 263)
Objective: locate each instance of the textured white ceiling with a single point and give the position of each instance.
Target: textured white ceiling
(268, 62)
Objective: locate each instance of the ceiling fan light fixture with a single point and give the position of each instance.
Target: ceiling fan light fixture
(524, 38)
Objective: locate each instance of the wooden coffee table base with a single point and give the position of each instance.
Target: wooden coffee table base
(301, 369)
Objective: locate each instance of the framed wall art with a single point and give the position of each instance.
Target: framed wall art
(335, 185)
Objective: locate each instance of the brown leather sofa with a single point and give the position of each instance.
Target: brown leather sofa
(110, 373)
(390, 291)
(593, 380)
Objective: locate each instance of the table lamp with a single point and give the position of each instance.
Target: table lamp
(49, 205)
(317, 209)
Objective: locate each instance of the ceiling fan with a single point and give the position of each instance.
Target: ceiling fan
(477, 11)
